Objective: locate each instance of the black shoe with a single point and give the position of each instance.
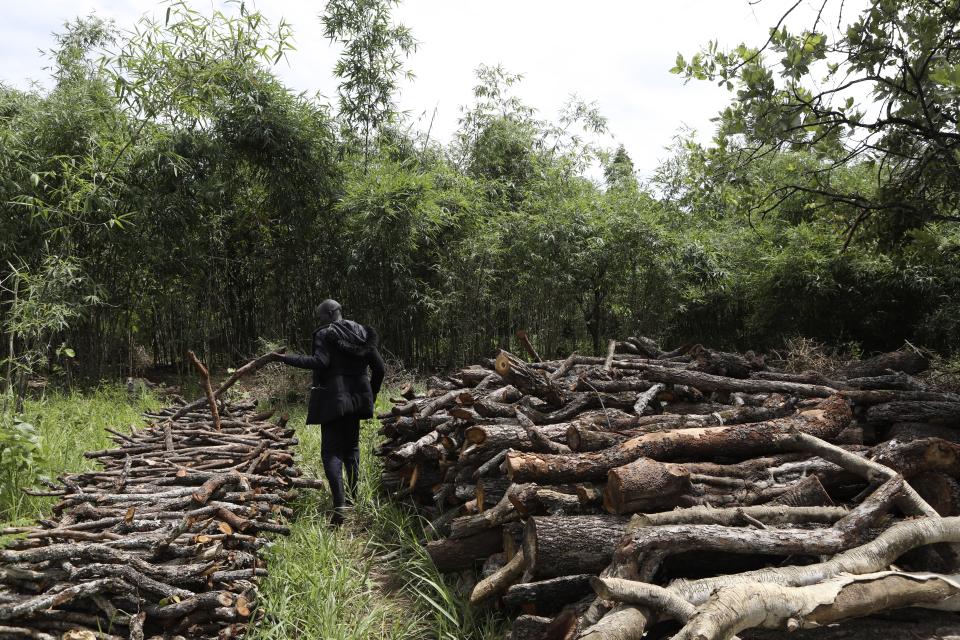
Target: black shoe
(337, 518)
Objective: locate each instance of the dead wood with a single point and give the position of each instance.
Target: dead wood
(738, 440)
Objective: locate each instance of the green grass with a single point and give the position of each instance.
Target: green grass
(369, 580)
(68, 424)
(328, 583)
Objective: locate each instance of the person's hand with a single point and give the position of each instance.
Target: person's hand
(278, 354)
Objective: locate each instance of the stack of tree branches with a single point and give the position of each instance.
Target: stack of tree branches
(610, 496)
(164, 538)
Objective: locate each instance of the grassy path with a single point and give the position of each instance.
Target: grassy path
(337, 584)
(368, 580)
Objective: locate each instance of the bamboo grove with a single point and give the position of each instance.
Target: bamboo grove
(167, 192)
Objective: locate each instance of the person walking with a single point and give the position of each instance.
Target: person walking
(342, 395)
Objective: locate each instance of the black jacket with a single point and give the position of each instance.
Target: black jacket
(342, 351)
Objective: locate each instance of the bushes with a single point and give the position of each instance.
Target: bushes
(231, 209)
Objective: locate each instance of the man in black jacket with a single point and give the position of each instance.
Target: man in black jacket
(341, 394)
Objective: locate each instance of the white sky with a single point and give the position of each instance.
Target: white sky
(616, 52)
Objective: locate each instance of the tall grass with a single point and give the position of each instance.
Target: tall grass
(69, 424)
(369, 579)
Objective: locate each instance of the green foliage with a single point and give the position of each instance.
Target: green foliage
(43, 305)
(19, 448)
(369, 65)
(882, 97)
(64, 426)
(207, 207)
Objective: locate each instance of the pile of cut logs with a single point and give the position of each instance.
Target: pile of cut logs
(692, 494)
(164, 538)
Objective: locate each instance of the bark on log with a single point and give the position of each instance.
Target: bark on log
(709, 382)
(907, 361)
(720, 363)
(559, 546)
(827, 421)
(645, 485)
(453, 554)
(736, 608)
(870, 557)
(939, 413)
(733, 516)
(205, 380)
(517, 373)
(548, 596)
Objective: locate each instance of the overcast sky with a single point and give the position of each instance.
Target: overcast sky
(616, 52)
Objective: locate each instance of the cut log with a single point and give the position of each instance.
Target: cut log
(939, 413)
(645, 398)
(893, 381)
(736, 440)
(733, 516)
(505, 394)
(940, 491)
(490, 409)
(525, 341)
(809, 492)
(709, 382)
(515, 372)
(559, 546)
(507, 436)
(612, 386)
(499, 514)
(910, 502)
(498, 582)
(205, 379)
(907, 361)
(736, 608)
(546, 597)
(732, 365)
(909, 458)
(245, 370)
(907, 431)
(645, 485)
(920, 624)
(591, 435)
(453, 554)
(534, 500)
(870, 557)
(528, 627)
(648, 595)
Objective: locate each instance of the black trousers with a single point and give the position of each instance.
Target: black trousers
(340, 452)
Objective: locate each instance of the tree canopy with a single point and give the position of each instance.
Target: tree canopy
(169, 192)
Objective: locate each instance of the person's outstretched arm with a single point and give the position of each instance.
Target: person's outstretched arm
(377, 371)
(319, 360)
